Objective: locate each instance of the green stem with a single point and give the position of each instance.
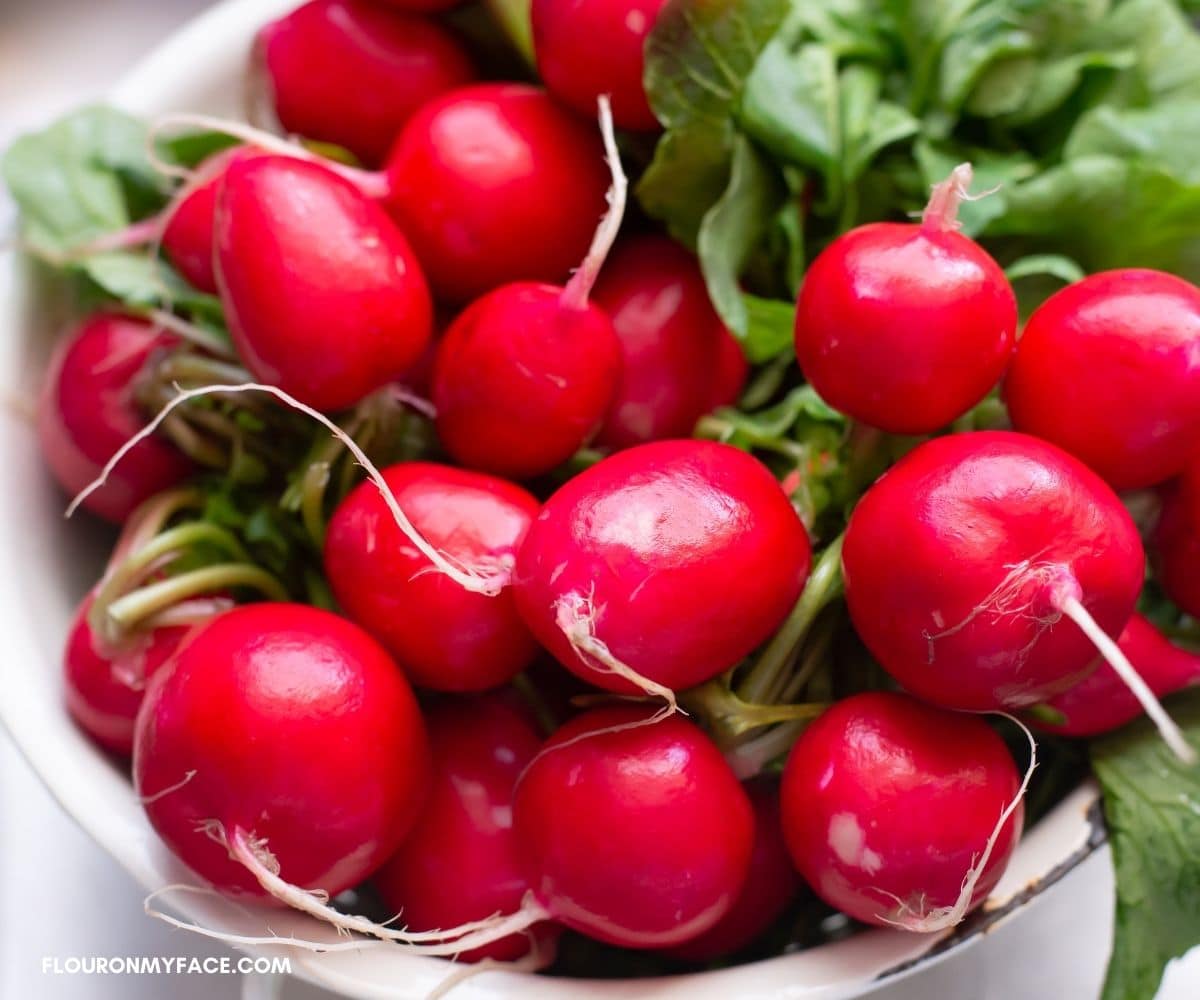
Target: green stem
(312, 501)
(128, 610)
(537, 704)
(730, 718)
(824, 586)
(750, 758)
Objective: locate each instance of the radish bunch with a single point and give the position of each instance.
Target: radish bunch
(463, 551)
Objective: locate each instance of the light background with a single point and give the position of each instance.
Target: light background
(60, 895)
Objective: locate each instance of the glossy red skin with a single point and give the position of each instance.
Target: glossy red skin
(586, 48)
(522, 382)
(691, 554)
(495, 183)
(1102, 702)
(886, 795)
(421, 6)
(641, 838)
(300, 730)
(729, 376)
(187, 237)
(444, 637)
(936, 537)
(771, 884)
(460, 863)
(103, 687)
(1177, 541)
(1109, 369)
(352, 72)
(675, 356)
(322, 292)
(904, 327)
(87, 411)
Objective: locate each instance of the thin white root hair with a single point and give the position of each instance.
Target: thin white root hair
(579, 288)
(490, 583)
(541, 955)
(147, 799)
(1167, 728)
(414, 402)
(256, 858)
(922, 921)
(576, 616)
(193, 334)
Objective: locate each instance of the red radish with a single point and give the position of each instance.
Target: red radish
(770, 885)
(87, 411)
(586, 48)
(495, 183)
(962, 561)
(422, 6)
(1109, 369)
(104, 685)
(634, 834)
(898, 813)
(661, 566)
(906, 327)
(1177, 541)
(283, 744)
(1101, 702)
(353, 72)
(460, 862)
(323, 295)
(524, 377)
(443, 636)
(677, 361)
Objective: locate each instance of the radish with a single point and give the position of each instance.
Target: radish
(103, 685)
(661, 566)
(1109, 369)
(901, 814)
(352, 72)
(87, 410)
(495, 183)
(1177, 541)
(323, 295)
(187, 225)
(1101, 702)
(283, 744)
(679, 360)
(770, 885)
(460, 861)
(962, 561)
(634, 834)
(422, 6)
(525, 375)
(888, 308)
(442, 635)
(586, 48)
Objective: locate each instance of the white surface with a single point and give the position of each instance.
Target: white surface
(64, 897)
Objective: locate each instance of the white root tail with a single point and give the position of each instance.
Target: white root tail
(575, 295)
(923, 921)
(1167, 728)
(488, 582)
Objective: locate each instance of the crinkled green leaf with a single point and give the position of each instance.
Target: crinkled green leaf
(769, 329)
(1166, 135)
(733, 228)
(1152, 809)
(701, 51)
(139, 280)
(73, 181)
(689, 171)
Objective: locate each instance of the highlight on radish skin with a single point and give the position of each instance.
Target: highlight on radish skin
(920, 819)
(488, 579)
(625, 574)
(524, 376)
(979, 545)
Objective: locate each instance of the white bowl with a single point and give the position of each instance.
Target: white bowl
(51, 563)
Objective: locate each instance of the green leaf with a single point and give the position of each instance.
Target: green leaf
(141, 281)
(1106, 212)
(770, 328)
(689, 171)
(72, 181)
(733, 228)
(1045, 264)
(1166, 135)
(1152, 808)
(1164, 40)
(700, 52)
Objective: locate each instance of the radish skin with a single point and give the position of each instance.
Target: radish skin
(1176, 540)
